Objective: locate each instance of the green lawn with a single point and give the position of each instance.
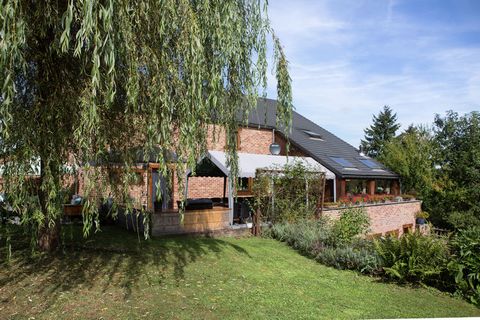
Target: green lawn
(115, 276)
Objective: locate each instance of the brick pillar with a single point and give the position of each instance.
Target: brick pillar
(395, 190)
(371, 187)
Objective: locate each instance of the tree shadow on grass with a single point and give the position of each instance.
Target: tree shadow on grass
(110, 260)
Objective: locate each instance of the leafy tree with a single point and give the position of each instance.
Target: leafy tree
(82, 81)
(457, 139)
(380, 132)
(411, 156)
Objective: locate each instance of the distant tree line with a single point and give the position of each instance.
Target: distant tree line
(439, 163)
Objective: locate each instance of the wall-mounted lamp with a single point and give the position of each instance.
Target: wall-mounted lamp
(274, 147)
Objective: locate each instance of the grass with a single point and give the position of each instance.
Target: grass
(113, 276)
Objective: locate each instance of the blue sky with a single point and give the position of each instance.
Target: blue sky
(350, 58)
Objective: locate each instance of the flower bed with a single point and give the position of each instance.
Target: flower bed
(362, 199)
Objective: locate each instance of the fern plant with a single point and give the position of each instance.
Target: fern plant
(465, 265)
(413, 257)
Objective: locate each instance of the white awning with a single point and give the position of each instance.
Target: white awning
(248, 163)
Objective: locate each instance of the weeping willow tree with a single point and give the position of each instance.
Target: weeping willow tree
(83, 79)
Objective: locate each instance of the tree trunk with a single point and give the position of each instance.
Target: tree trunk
(49, 237)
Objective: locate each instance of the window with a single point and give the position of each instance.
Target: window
(370, 163)
(407, 228)
(244, 186)
(392, 233)
(355, 186)
(342, 162)
(313, 135)
(383, 186)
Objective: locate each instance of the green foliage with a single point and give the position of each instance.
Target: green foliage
(303, 235)
(83, 80)
(288, 193)
(410, 155)
(352, 223)
(414, 257)
(336, 245)
(454, 202)
(441, 165)
(465, 264)
(380, 132)
(422, 214)
(360, 256)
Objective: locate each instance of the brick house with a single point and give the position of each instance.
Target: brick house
(210, 205)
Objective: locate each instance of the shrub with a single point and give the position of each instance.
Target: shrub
(335, 244)
(303, 235)
(465, 264)
(463, 219)
(352, 223)
(414, 257)
(360, 256)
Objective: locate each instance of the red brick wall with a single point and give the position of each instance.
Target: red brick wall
(255, 140)
(252, 140)
(386, 217)
(206, 187)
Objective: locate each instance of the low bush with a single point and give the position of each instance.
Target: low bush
(414, 258)
(465, 263)
(335, 244)
(352, 223)
(359, 256)
(303, 235)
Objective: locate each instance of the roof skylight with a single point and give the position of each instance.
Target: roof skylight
(313, 135)
(370, 163)
(343, 162)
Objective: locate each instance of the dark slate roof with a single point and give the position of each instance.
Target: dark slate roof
(320, 150)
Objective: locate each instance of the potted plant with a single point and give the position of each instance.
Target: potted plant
(408, 197)
(398, 199)
(387, 198)
(344, 202)
(421, 217)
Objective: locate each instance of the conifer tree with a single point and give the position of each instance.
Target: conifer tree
(382, 130)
